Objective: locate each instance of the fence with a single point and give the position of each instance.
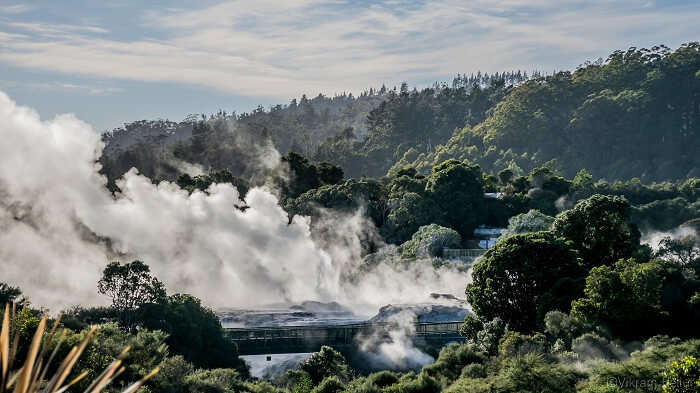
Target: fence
(462, 253)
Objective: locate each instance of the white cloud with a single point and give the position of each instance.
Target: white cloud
(281, 49)
(57, 85)
(16, 9)
(49, 29)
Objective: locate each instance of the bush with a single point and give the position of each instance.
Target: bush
(37, 372)
(429, 241)
(471, 327)
(25, 323)
(195, 332)
(531, 373)
(592, 346)
(171, 376)
(326, 363)
(303, 384)
(532, 221)
(80, 318)
(383, 378)
(215, 381)
(682, 376)
(329, 385)
(362, 385)
(452, 359)
(474, 370)
(559, 325)
(108, 341)
(420, 384)
(522, 374)
(626, 299)
(487, 339)
(516, 344)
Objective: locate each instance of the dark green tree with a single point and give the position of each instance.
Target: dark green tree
(346, 196)
(625, 298)
(408, 213)
(685, 250)
(9, 294)
(329, 173)
(532, 221)
(457, 190)
(326, 363)
(303, 175)
(600, 230)
(194, 331)
(130, 286)
(514, 276)
(202, 182)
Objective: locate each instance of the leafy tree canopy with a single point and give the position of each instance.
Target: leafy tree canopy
(600, 230)
(513, 277)
(130, 286)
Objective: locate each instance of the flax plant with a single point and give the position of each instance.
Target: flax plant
(33, 376)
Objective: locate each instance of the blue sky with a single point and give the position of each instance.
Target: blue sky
(123, 60)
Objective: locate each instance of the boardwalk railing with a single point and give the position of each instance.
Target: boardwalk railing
(290, 339)
(462, 253)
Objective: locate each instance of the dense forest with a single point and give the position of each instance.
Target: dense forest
(582, 169)
(634, 115)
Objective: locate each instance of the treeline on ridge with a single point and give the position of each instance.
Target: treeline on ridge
(636, 114)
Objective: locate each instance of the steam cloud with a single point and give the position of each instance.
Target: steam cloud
(653, 238)
(59, 227)
(396, 350)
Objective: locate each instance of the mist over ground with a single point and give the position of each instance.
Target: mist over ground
(60, 226)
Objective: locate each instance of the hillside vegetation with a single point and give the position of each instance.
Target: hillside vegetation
(635, 114)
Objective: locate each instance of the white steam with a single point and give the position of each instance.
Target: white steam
(394, 348)
(187, 167)
(653, 238)
(59, 227)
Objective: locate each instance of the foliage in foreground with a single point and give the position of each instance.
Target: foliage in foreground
(39, 373)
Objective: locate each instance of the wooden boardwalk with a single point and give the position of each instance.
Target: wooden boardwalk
(298, 339)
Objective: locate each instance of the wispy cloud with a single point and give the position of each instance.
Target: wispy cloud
(270, 48)
(51, 29)
(16, 8)
(94, 90)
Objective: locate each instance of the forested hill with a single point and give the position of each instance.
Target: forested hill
(635, 114)
(161, 148)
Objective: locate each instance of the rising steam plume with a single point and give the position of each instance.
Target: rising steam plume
(59, 227)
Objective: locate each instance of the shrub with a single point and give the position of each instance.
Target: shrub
(220, 380)
(329, 385)
(383, 378)
(171, 376)
(682, 376)
(326, 363)
(195, 332)
(420, 384)
(516, 344)
(452, 359)
(474, 370)
(429, 241)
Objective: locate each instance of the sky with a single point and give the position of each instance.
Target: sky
(125, 60)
